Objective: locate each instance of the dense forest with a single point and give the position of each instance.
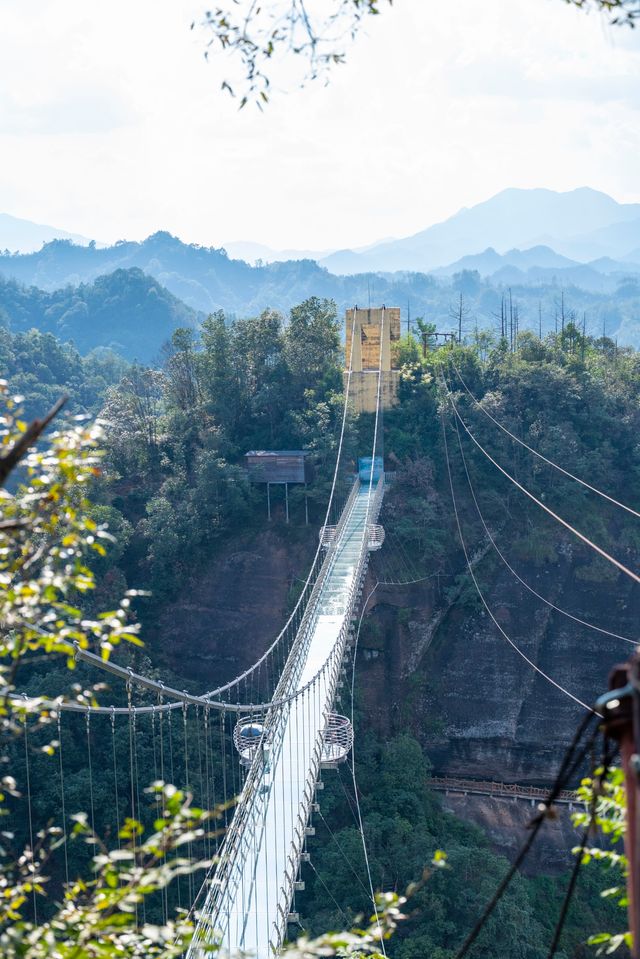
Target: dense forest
(176, 498)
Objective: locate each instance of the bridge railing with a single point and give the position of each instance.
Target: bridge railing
(503, 790)
(332, 684)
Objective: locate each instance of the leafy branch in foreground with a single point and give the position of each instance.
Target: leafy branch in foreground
(257, 34)
(99, 917)
(608, 794)
(260, 35)
(45, 535)
(621, 12)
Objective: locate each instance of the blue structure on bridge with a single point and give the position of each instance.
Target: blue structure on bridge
(364, 468)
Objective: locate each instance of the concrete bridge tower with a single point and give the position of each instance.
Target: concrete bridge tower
(365, 359)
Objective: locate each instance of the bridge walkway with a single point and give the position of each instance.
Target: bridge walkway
(260, 871)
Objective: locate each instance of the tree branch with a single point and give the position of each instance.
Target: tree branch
(9, 462)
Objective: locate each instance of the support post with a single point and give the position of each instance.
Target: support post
(269, 501)
(286, 500)
(306, 506)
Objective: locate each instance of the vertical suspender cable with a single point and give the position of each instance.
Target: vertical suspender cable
(64, 815)
(173, 780)
(91, 804)
(186, 789)
(33, 858)
(201, 802)
(115, 774)
(132, 776)
(165, 891)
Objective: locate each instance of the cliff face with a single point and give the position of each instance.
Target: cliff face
(506, 823)
(479, 709)
(232, 610)
(426, 664)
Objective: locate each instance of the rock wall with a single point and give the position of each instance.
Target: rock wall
(232, 610)
(506, 823)
(480, 710)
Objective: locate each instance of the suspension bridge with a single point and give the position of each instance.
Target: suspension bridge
(279, 716)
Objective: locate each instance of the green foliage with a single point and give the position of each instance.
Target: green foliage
(607, 796)
(46, 533)
(405, 827)
(140, 310)
(98, 917)
(177, 435)
(172, 490)
(45, 536)
(41, 369)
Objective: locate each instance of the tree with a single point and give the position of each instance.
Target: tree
(259, 34)
(312, 342)
(182, 369)
(459, 313)
(131, 408)
(221, 384)
(426, 333)
(45, 534)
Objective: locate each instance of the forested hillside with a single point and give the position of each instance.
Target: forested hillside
(437, 687)
(125, 311)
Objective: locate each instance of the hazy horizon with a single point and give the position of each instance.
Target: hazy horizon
(112, 124)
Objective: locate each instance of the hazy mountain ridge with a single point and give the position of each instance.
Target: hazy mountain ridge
(541, 264)
(582, 224)
(23, 236)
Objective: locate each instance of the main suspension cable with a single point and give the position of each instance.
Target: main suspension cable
(538, 502)
(535, 452)
(481, 594)
(526, 585)
(570, 763)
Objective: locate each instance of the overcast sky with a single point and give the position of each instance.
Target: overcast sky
(112, 124)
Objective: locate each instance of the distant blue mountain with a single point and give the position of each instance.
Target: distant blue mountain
(511, 219)
(488, 262)
(23, 236)
(613, 240)
(131, 295)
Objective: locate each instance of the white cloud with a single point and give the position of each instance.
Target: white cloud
(112, 124)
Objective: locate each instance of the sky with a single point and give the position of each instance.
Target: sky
(113, 124)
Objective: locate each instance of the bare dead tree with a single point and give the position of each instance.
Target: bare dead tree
(459, 313)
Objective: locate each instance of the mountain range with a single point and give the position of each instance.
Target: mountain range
(582, 225)
(161, 282)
